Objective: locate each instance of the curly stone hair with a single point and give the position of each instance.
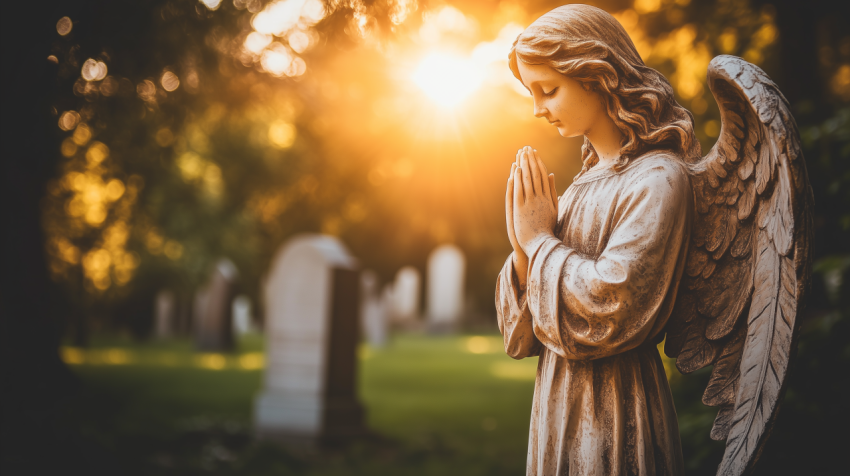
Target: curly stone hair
(589, 45)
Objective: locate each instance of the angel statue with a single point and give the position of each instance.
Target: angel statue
(652, 239)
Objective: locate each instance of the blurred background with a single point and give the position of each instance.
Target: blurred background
(148, 144)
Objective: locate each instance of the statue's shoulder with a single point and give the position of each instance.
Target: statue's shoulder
(659, 167)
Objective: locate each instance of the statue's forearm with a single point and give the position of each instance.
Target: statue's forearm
(520, 261)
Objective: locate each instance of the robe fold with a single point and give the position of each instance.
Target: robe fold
(598, 296)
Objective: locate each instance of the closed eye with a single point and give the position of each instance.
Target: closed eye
(550, 93)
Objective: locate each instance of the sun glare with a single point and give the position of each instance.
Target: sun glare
(446, 79)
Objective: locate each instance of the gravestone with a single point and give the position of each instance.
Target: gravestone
(446, 274)
(213, 309)
(373, 311)
(165, 314)
(311, 306)
(406, 292)
(242, 320)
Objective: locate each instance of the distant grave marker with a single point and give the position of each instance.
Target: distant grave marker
(406, 295)
(165, 314)
(373, 310)
(213, 309)
(311, 308)
(446, 274)
(242, 319)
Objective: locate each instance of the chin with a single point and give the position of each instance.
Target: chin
(567, 133)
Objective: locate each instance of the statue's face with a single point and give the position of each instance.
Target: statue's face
(561, 100)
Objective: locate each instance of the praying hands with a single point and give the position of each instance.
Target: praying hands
(531, 207)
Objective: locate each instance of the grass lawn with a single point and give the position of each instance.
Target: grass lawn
(437, 405)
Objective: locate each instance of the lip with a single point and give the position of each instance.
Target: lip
(555, 123)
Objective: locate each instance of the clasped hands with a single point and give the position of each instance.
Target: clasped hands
(531, 207)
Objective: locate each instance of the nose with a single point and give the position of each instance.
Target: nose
(539, 110)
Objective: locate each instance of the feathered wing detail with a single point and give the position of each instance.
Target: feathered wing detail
(749, 256)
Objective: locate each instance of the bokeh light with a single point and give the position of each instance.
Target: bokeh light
(169, 81)
(482, 345)
(256, 42)
(279, 17)
(211, 4)
(109, 86)
(298, 41)
(276, 60)
(69, 120)
(212, 361)
(146, 90)
(282, 134)
(94, 70)
(290, 20)
(82, 134)
(64, 26)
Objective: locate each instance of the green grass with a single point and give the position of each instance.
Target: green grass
(434, 406)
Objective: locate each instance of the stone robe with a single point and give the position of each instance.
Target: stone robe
(597, 299)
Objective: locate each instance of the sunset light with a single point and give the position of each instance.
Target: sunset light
(252, 237)
(447, 79)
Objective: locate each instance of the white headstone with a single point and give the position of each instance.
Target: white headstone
(311, 305)
(446, 274)
(406, 295)
(242, 320)
(373, 312)
(212, 322)
(165, 313)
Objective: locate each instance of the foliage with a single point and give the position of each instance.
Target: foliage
(165, 173)
(827, 148)
(194, 131)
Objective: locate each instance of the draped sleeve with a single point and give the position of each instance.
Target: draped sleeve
(586, 307)
(515, 320)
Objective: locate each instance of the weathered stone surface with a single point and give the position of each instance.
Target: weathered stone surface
(651, 239)
(312, 323)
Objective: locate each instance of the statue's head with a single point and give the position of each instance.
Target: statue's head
(599, 71)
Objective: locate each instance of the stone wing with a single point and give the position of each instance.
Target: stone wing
(749, 256)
